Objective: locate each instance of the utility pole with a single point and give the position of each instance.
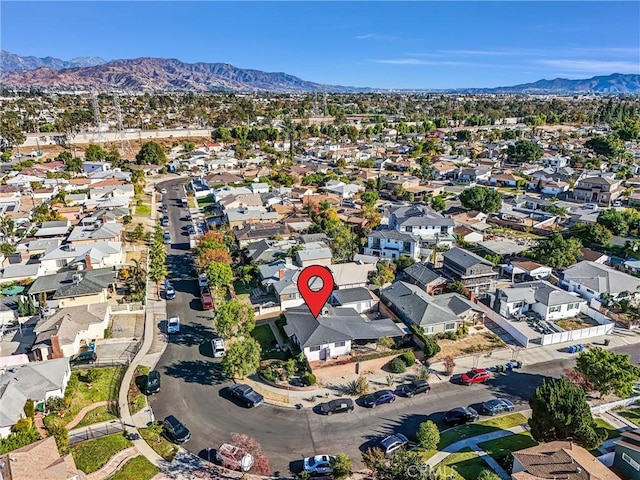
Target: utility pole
(96, 118)
(125, 146)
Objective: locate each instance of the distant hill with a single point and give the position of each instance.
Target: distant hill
(10, 62)
(615, 83)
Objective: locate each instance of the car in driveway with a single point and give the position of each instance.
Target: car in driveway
(318, 465)
(173, 325)
(379, 398)
(84, 357)
(461, 415)
(497, 405)
(410, 389)
(338, 405)
(175, 430)
(246, 395)
(392, 443)
(476, 375)
(152, 383)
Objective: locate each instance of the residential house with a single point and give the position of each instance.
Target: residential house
(70, 289)
(257, 232)
(600, 190)
(98, 232)
(37, 381)
(314, 253)
(558, 459)
(467, 234)
(554, 161)
(239, 217)
(477, 273)
(358, 298)
(344, 190)
(473, 174)
(439, 313)
(503, 179)
(85, 256)
(594, 280)
(527, 270)
(55, 228)
(351, 275)
(35, 247)
(423, 277)
(392, 244)
(626, 460)
(285, 288)
(594, 256)
(442, 170)
(275, 271)
(250, 200)
(334, 331)
(90, 167)
(258, 187)
(267, 250)
(424, 222)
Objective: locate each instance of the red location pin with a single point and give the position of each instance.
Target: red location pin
(315, 299)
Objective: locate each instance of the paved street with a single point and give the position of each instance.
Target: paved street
(194, 390)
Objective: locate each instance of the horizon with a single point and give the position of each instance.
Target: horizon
(459, 45)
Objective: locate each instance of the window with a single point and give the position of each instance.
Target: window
(572, 306)
(376, 243)
(449, 326)
(61, 263)
(339, 344)
(555, 309)
(314, 349)
(589, 290)
(518, 305)
(428, 330)
(406, 246)
(630, 461)
(409, 229)
(443, 230)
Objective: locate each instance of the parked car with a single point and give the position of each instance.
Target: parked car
(393, 443)
(84, 357)
(378, 398)
(207, 301)
(169, 291)
(191, 230)
(202, 281)
(167, 238)
(173, 325)
(318, 465)
(497, 405)
(460, 415)
(476, 375)
(165, 221)
(165, 209)
(152, 384)
(188, 217)
(163, 191)
(217, 347)
(234, 457)
(246, 395)
(413, 388)
(336, 406)
(175, 430)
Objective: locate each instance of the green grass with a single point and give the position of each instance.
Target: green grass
(97, 415)
(203, 202)
(611, 431)
(164, 448)
(455, 434)
(92, 455)
(144, 207)
(633, 415)
(501, 448)
(267, 341)
(137, 400)
(280, 323)
(137, 468)
(242, 291)
(465, 463)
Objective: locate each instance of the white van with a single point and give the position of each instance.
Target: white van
(217, 346)
(232, 457)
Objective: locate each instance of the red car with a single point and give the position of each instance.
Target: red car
(477, 375)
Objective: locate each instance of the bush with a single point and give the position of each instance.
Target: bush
(29, 408)
(408, 358)
(451, 335)
(358, 387)
(449, 364)
(308, 379)
(61, 434)
(268, 374)
(431, 347)
(93, 375)
(55, 404)
(397, 365)
(423, 374)
(428, 435)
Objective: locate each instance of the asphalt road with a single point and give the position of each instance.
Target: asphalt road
(193, 388)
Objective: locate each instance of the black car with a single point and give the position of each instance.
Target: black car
(336, 406)
(413, 388)
(461, 415)
(85, 357)
(175, 430)
(152, 385)
(246, 395)
(378, 398)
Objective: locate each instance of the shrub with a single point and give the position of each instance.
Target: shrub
(358, 387)
(268, 374)
(55, 404)
(428, 435)
(423, 374)
(308, 379)
(93, 375)
(397, 366)
(431, 347)
(290, 367)
(391, 379)
(61, 435)
(29, 408)
(451, 335)
(449, 363)
(408, 358)
(23, 425)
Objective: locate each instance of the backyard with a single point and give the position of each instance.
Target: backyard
(137, 468)
(242, 291)
(576, 323)
(267, 341)
(92, 455)
(208, 200)
(633, 415)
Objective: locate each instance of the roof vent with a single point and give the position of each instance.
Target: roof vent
(325, 312)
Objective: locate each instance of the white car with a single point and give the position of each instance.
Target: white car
(217, 346)
(393, 443)
(318, 465)
(163, 191)
(173, 325)
(202, 281)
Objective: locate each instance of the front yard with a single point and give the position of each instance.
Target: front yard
(143, 204)
(465, 464)
(268, 343)
(103, 413)
(501, 448)
(455, 434)
(137, 468)
(92, 455)
(137, 400)
(474, 343)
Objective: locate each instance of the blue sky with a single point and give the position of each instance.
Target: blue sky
(375, 44)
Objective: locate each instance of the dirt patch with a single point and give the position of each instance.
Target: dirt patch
(475, 343)
(575, 323)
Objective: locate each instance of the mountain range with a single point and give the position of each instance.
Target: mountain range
(161, 74)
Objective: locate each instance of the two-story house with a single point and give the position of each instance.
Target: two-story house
(600, 190)
(626, 460)
(477, 273)
(392, 244)
(420, 220)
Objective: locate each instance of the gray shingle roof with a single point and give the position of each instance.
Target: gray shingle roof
(539, 292)
(393, 235)
(465, 258)
(422, 274)
(67, 322)
(352, 295)
(419, 215)
(601, 279)
(93, 281)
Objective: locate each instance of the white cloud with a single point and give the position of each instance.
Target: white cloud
(593, 66)
(414, 61)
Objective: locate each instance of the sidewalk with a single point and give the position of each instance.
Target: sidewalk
(114, 464)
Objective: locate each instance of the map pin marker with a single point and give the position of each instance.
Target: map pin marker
(308, 287)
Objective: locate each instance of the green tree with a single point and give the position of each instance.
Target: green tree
(615, 221)
(234, 319)
(400, 465)
(558, 252)
(189, 146)
(29, 408)
(219, 274)
(428, 435)
(438, 203)
(73, 165)
(94, 153)
(590, 233)
(7, 249)
(368, 198)
(483, 199)
(341, 465)
(608, 372)
(151, 153)
(606, 146)
(488, 475)
(11, 130)
(61, 435)
(525, 151)
(431, 347)
(137, 176)
(559, 411)
(242, 358)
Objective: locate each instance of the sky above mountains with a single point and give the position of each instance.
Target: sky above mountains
(373, 44)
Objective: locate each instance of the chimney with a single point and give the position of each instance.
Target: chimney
(87, 262)
(281, 273)
(56, 350)
(104, 219)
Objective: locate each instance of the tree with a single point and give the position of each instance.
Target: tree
(615, 221)
(590, 233)
(249, 445)
(488, 475)
(29, 408)
(385, 343)
(94, 153)
(400, 465)
(457, 286)
(189, 146)
(156, 429)
(7, 249)
(242, 358)
(603, 146)
(559, 411)
(558, 252)
(73, 165)
(483, 199)
(341, 465)
(151, 153)
(234, 319)
(438, 203)
(428, 435)
(608, 372)
(525, 151)
(61, 435)
(431, 347)
(369, 198)
(10, 130)
(219, 274)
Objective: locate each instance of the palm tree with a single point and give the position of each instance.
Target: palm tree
(289, 132)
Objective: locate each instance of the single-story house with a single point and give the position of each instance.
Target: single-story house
(592, 280)
(359, 298)
(548, 301)
(351, 275)
(89, 255)
(70, 289)
(314, 253)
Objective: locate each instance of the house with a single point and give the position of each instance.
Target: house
(467, 234)
(558, 459)
(266, 250)
(548, 301)
(556, 162)
(392, 244)
(275, 271)
(53, 228)
(351, 275)
(84, 256)
(90, 234)
(90, 167)
(40, 460)
(63, 333)
(344, 190)
(239, 217)
(285, 288)
(434, 314)
(626, 460)
(358, 298)
(600, 190)
(334, 331)
(503, 179)
(37, 381)
(423, 277)
(314, 253)
(473, 174)
(592, 280)
(251, 200)
(257, 232)
(424, 222)
(528, 269)
(20, 272)
(593, 255)
(69, 289)
(475, 272)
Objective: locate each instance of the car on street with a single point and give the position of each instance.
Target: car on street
(175, 430)
(206, 300)
(393, 443)
(169, 291)
(165, 221)
(497, 405)
(318, 465)
(165, 209)
(191, 230)
(461, 415)
(84, 357)
(379, 398)
(152, 383)
(417, 386)
(187, 217)
(173, 325)
(246, 395)
(202, 281)
(163, 191)
(167, 238)
(217, 347)
(476, 375)
(339, 405)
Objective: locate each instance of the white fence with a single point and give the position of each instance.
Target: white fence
(265, 309)
(575, 335)
(505, 324)
(610, 406)
(136, 307)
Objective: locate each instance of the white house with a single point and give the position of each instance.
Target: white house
(392, 244)
(548, 301)
(90, 167)
(89, 255)
(593, 280)
(424, 222)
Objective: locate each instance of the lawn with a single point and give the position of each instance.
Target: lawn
(143, 205)
(104, 388)
(242, 292)
(633, 415)
(611, 431)
(92, 455)
(137, 400)
(465, 463)
(137, 468)
(203, 202)
(97, 415)
(452, 435)
(267, 341)
(164, 448)
(501, 448)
